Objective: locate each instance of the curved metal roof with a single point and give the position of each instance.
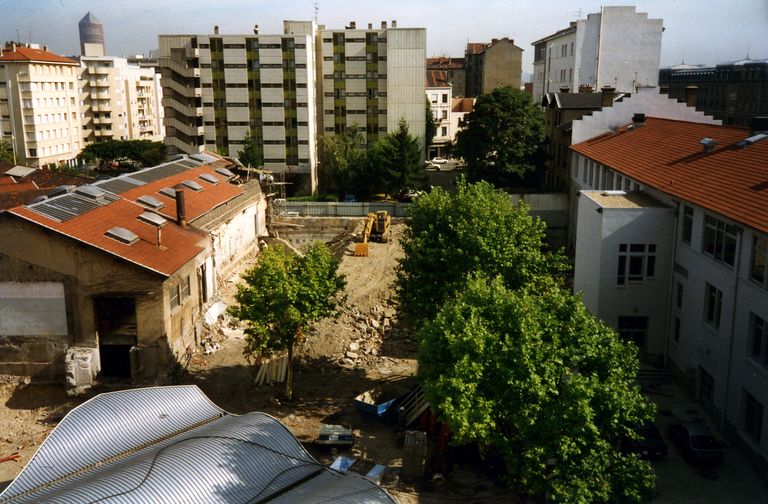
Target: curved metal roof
(171, 444)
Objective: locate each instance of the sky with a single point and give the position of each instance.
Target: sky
(696, 31)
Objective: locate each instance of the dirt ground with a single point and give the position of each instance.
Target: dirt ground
(362, 347)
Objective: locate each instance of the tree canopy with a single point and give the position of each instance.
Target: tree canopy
(344, 158)
(251, 155)
(6, 152)
(395, 161)
(530, 374)
(476, 228)
(134, 152)
(282, 295)
(501, 136)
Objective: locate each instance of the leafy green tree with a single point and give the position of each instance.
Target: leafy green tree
(430, 129)
(501, 136)
(396, 161)
(476, 228)
(6, 152)
(344, 158)
(282, 295)
(251, 155)
(531, 375)
(136, 152)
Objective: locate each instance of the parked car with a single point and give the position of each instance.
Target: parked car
(439, 160)
(696, 442)
(650, 444)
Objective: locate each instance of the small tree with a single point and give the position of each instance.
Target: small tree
(396, 161)
(282, 295)
(251, 155)
(430, 128)
(344, 158)
(476, 228)
(6, 152)
(142, 152)
(501, 136)
(533, 376)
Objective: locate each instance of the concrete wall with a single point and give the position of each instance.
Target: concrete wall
(406, 67)
(502, 66)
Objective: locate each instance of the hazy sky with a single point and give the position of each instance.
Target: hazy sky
(696, 31)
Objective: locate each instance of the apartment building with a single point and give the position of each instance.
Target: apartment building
(119, 101)
(492, 65)
(615, 47)
(39, 105)
(440, 97)
(372, 78)
(734, 92)
(455, 72)
(672, 251)
(217, 89)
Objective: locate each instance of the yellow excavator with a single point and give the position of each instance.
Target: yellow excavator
(376, 229)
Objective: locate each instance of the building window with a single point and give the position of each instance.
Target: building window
(753, 417)
(720, 240)
(676, 333)
(706, 386)
(713, 301)
(633, 329)
(687, 223)
(759, 264)
(637, 262)
(758, 339)
(174, 297)
(185, 288)
(679, 296)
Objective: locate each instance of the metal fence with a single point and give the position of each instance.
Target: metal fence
(337, 209)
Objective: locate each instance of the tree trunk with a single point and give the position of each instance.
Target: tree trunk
(289, 374)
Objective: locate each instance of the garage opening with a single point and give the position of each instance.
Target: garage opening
(116, 326)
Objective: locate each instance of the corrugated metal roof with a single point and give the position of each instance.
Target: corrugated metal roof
(171, 444)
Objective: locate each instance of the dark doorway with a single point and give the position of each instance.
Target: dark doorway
(116, 327)
(634, 329)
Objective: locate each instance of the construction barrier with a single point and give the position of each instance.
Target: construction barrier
(337, 209)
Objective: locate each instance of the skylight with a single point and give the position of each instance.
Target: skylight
(225, 172)
(122, 235)
(153, 219)
(89, 191)
(191, 184)
(167, 191)
(151, 202)
(210, 178)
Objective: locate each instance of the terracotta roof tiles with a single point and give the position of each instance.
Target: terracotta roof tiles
(731, 180)
(22, 53)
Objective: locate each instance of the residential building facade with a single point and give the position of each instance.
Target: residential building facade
(39, 105)
(119, 101)
(455, 72)
(682, 240)
(439, 94)
(734, 92)
(492, 65)
(616, 47)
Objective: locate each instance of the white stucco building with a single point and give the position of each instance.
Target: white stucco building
(672, 251)
(616, 47)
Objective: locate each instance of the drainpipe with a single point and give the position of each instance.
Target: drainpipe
(736, 271)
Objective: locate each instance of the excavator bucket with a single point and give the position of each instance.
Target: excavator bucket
(361, 249)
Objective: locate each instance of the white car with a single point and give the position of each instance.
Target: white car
(439, 160)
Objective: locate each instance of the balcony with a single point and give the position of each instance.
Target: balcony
(184, 127)
(183, 109)
(184, 90)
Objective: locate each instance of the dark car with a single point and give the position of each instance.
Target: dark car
(696, 442)
(649, 444)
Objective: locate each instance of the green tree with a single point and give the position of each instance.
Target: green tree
(430, 129)
(282, 295)
(476, 228)
(396, 161)
(343, 157)
(531, 375)
(501, 136)
(135, 152)
(251, 155)
(6, 152)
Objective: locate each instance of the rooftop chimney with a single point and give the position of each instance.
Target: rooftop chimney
(181, 208)
(45, 48)
(383, 25)
(394, 23)
(638, 120)
(759, 124)
(608, 93)
(664, 89)
(585, 88)
(255, 29)
(691, 94)
(708, 144)
(13, 46)
(216, 29)
(494, 40)
(370, 26)
(564, 89)
(352, 25)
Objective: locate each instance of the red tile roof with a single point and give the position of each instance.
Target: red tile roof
(731, 180)
(22, 53)
(475, 47)
(48, 178)
(462, 104)
(196, 203)
(445, 63)
(437, 78)
(178, 245)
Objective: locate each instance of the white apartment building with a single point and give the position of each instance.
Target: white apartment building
(616, 47)
(672, 251)
(39, 105)
(372, 78)
(119, 101)
(440, 95)
(219, 88)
